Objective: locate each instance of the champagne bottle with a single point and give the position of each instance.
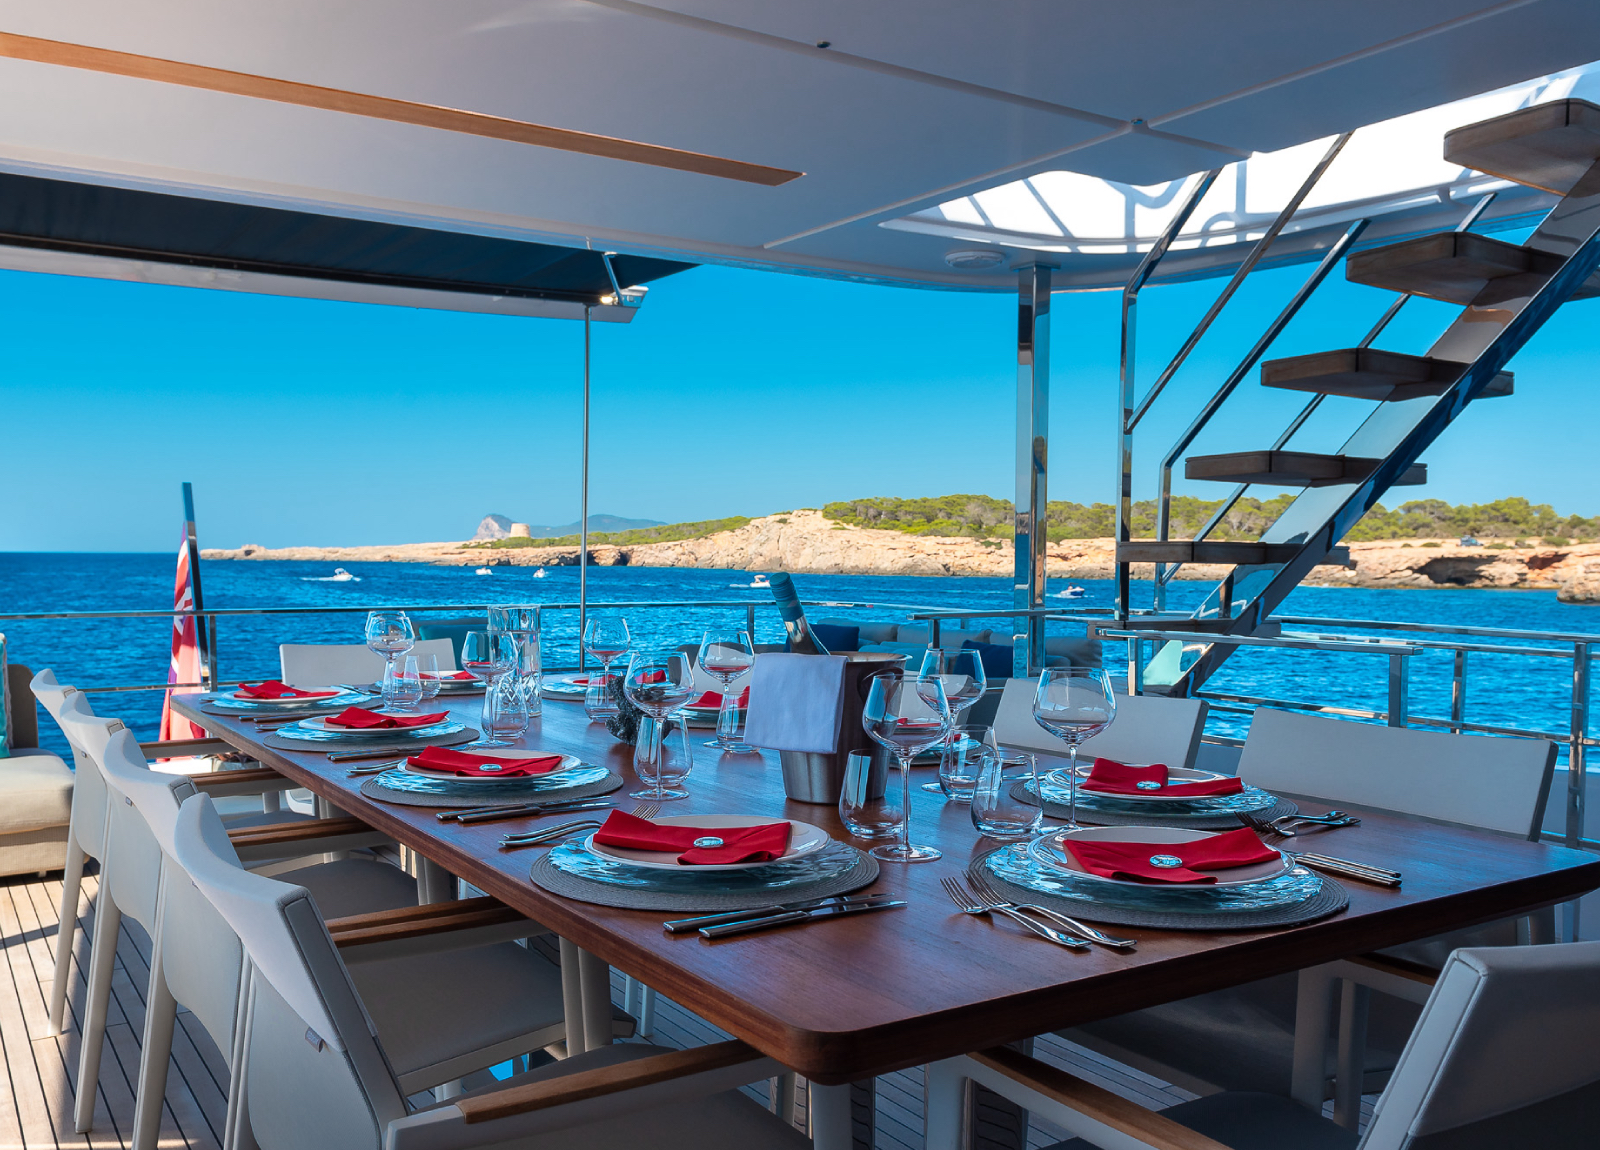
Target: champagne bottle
(801, 640)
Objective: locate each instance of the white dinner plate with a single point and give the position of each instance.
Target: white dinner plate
(567, 763)
(1174, 775)
(804, 839)
(1049, 849)
(320, 723)
(569, 685)
(313, 701)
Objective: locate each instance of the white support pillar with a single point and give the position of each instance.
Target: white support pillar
(1033, 433)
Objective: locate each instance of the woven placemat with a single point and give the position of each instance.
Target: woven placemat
(353, 746)
(557, 881)
(1221, 821)
(1330, 899)
(373, 788)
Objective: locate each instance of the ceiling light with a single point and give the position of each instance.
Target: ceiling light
(974, 259)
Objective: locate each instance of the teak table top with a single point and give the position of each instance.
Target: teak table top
(847, 999)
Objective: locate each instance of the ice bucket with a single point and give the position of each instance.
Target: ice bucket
(810, 777)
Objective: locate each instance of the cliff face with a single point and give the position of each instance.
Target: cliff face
(805, 542)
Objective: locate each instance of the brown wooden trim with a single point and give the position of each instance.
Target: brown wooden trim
(1095, 1102)
(240, 778)
(1399, 967)
(588, 1084)
(187, 746)
(384, 108)
(416, 921)
(296, 832)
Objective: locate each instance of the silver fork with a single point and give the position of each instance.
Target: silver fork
(1365, 872)
(966, 904)
(987, 894)
(550, 834)
(1280, 826)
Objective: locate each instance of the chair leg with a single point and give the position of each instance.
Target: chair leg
(160, 1013)
(1313, 1006)
(594, 976)
(647, 1010)
(107, 924)
(66, 934)
(236, 1133)
(630, 990)
(1351, 1067)
(572, 997)
(781, 1092)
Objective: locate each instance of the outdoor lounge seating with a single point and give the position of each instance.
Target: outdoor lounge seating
(35, 788)
(912, 639)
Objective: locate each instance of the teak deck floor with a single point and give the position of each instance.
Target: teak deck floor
(41, 1070)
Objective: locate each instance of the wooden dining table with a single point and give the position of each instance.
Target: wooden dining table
(842, 1000)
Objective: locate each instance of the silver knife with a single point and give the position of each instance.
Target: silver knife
(683, 925)
(750, 924)
(494, 814)
(1347, 869)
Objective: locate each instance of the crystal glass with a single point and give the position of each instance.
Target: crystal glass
(428, 672)
(658, 683)
(868, 806)
(505, 712)
(1000, 810)
(389, 633)
(488, 655)
(961, 673)
(908, 716)
(523, 621)
(1074, 704)
(402, 684)
(959, 764)
(725, 656)
(606, 638)
(662, 761)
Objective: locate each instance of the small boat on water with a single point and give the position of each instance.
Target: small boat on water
(1071, 591)
(539, 573)
(340, 575)
(759, 583)
(485, 571)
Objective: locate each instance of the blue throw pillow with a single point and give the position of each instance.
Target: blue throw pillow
(835, 637)
(996, 659)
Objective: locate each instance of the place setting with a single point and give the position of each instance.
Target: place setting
(487, 780)
(273, 700)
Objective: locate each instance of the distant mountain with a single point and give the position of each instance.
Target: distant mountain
(499, 527)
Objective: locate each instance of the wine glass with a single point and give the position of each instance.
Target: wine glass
(389, 633)
(1074, 704)
(605, 638)
(961, 673)
(488, 655)
(725, 655)
(908, 716)
(658, 683)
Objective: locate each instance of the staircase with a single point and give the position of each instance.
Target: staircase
(1506, 292)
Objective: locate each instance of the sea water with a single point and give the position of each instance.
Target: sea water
(1513, 691)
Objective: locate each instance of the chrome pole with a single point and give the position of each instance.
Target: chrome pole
(1458, 691)
(1577, 753)
(1033, 433)
(1399, 674)
(583, 501)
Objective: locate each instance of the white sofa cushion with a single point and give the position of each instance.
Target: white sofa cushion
(35, 791)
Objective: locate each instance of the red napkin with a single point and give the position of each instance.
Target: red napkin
(361, 719)
(479, 767)
(712, 699)
(274, 689)
(462, 676)
(1132, 860)
(740, 844)
(1114, 778)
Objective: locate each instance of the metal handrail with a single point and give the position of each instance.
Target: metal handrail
(1440, 629)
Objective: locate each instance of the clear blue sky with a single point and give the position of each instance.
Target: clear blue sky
(733, 392)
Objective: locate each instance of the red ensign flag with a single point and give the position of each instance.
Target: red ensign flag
(185, 665)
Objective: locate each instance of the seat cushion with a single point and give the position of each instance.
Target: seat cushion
(35, 791)
(996, 659)
(354, 886)
(837, 637)
(1247, 1121)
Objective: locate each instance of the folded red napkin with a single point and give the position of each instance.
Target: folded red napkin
(483, 767)
(461, 676)
(712, 699)
(1114, 778)
(361, 719)
(1133, 860)
(274, 689)
(761, 843)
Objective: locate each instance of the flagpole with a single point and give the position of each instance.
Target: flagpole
(208, 655)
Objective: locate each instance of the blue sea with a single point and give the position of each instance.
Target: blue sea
(1532, 693)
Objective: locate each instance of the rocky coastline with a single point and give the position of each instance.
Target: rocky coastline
(806, 542)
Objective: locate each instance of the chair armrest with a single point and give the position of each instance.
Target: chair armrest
(304, 836)
(186, 747)
(1399, 967)
(1087, 1100)
(244, 782)
(591, 1084)
(431, 929)
(1405, 980)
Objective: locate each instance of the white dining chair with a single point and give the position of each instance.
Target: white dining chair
(1147, 728)
(1503, 1055)
(1277, 1034)
(330, 1050)
(307, 665)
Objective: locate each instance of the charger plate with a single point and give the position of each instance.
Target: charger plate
(1214, 813)
(407, 790)
(572, 872)
(1298, 896)
(568, 762)
(804, 839)
(398, 746)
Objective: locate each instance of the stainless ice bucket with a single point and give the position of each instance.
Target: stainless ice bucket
(811, 777)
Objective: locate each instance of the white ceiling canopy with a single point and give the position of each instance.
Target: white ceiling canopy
(567, 121)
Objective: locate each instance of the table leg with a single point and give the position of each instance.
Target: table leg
(1351, 1067)
(1313, 1007)
(842, 1117)
(595, 977)
(572, 998)
(434, 883)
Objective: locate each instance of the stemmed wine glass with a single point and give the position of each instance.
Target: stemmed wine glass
(725, 655)
(605, 638)
(390, 634)
(489, 655)
(658, 683)
(908, 716)
(961, 674)
(1074, 704)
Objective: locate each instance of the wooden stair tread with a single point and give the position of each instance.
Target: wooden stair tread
(1369, 373)
(1291, 468)
(1548, 146)
(1449, 266)
(1205, 551)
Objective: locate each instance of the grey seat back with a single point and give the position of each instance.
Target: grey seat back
(88, 791)
(316, 1075)
(1504, 1055)
(307, 665)
(1147, 729)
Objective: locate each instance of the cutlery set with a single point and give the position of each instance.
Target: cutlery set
(715, 926)
(1275, 831)
(545, 835)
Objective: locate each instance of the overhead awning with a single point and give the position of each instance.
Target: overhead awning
(109, 232)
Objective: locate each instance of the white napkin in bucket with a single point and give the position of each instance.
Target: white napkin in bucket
(796, 702)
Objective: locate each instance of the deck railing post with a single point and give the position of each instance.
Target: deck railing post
(750, 622)
(1033, 433)
(1399, 676)
(1458, 692)
(1577, 752)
